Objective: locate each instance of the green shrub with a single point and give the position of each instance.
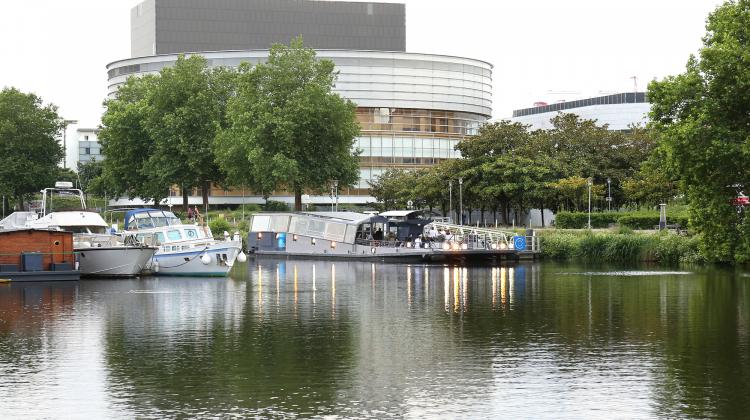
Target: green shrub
(580, 220)
(218, 226)
(272, 205)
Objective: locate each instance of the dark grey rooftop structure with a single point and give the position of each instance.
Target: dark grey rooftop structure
(176, 26)
(618, 98)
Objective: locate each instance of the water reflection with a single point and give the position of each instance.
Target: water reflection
(315, 338)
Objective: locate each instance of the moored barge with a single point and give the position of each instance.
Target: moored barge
(37, 255)
(396, 235)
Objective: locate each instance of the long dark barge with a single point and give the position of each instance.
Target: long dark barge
(390, 236)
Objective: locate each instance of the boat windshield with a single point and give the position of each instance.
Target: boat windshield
(85, 229)
(152, 219)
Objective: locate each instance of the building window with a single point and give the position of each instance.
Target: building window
(86, 138)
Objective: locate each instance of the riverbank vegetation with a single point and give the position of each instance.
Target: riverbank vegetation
(623, 245)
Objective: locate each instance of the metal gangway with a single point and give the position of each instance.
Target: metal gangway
(482, 238)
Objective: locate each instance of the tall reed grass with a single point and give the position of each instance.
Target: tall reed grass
(619, 247)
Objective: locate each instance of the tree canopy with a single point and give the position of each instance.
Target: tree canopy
(287, 129)
(29, 150)
(160, 130)
(702, 117)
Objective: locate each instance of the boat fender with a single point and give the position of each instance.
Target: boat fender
(156, 266)
(241, 257)
(206, 259)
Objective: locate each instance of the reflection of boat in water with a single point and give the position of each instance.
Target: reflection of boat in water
(100, 252)
(37, 255)
(390, 235)
(183, 249)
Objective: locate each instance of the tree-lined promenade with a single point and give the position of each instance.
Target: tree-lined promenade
(277, 126)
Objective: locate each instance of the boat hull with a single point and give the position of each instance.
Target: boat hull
(190, 262)
(118, 261)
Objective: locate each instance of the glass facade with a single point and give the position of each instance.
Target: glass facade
(409, 139)
(619, 98)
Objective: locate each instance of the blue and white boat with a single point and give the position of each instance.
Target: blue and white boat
(183, 249)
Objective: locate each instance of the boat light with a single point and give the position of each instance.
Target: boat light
(455, 246)
(312, 241)
(464, 246)
(295, 237)
(333, 244)
(493, 246)
(260, 235)
(446, 246)
(372, 250)
(503, 245)
(408, 244)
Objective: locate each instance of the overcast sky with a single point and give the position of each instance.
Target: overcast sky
(542, 50)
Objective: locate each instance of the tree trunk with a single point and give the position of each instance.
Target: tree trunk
(541, 212)
(298, 199)
(481, 212)
(19, 202)
(185, 195)
(205, 190)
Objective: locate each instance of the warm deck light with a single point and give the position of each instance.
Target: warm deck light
(333, 244)
(260, 235)
(464, 246)
(493, 246)
(295, 237)
(446, 246)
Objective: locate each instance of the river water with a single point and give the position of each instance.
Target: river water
(357, 339)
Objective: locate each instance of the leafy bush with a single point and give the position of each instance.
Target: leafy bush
(580, 220)
(272, 205)
(218, 226)
(633, 220)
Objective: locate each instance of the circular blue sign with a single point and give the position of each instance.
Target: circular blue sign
(519, 243)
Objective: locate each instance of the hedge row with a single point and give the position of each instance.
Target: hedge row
(633, 220)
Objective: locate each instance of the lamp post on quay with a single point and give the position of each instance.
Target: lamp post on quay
(461, 200)
(609, 194)
(450, 198)
(588, 183)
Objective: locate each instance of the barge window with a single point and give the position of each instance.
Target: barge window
(191, 233)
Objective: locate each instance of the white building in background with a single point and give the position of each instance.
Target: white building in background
(82, 145)
(620, 111)
(412, 108)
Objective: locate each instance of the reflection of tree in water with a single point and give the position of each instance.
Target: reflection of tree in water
(269, 363)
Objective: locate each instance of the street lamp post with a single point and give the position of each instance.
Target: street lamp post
(450, 198)
(588, 182)
(609, 194)
(336, 191)
(65, 141)
(461, 199)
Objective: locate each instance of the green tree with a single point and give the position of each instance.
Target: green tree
(90, 174)
(288, 130)
(703, 120)
(29, 150)
(186, 111)
(127, 143)
(392, 188)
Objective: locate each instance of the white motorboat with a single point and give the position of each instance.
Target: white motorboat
(100, 252)
(184, 249)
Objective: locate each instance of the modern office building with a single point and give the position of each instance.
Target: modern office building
(82, 146)
(620, 111)
(413, 108)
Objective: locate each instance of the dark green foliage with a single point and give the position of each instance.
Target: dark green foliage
(579, 220)
(288, 129)
(633, 220)
(702, 117)
(272, 205)
(29, 150)
(218, 226)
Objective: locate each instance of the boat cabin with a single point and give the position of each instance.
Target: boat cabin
(37, 254)
(163, 226)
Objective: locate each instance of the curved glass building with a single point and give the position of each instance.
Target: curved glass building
(413, 108)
